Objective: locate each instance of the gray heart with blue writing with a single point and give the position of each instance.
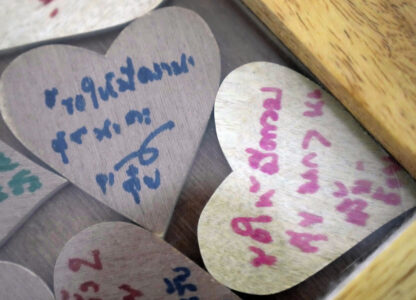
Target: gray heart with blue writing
(124, 127)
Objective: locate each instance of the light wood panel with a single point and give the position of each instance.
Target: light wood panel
(364, 53)
(390, 273)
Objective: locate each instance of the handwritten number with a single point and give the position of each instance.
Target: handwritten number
(75, 264)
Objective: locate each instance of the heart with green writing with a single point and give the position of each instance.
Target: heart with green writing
(125, 126)
(308, 183)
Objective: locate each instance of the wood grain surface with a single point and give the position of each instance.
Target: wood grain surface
(111, 260)
(241, 40)
(121, 145)
(19, 283)
(308, 183)
(364, 53)
(389, 273)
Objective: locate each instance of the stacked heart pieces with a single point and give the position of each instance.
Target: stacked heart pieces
(307, 183)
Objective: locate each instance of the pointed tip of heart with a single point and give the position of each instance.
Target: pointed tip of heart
(138, 258)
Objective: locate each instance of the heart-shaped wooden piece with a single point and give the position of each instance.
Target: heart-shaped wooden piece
(307, 184)
(117, 260)
(123, 127)
(28, 21)
(19, 283)
(24, 186)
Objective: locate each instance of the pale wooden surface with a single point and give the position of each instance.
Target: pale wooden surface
(389, 273)
(24, 187)
(330, 181)
(241, 39)
(116, 254)
(364, 53)
(27, 21)
(179, 102)
(19, 283)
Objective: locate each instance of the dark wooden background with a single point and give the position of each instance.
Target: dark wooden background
(242, 39)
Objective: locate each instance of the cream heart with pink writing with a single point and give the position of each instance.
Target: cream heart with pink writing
(308, 183)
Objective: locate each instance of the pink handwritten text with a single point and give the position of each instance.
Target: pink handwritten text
(268, 135)
(314, 134)
(316, 109)
(362, 186)
(312, 185)
(255, 185)
(387, 198)
(256, 157)
(258, 234)
(342, 190)
(316, 94)
(265, 199)
(309, 219)
(75, 264)
(303, 240)
(354, 210)
(306, 161)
